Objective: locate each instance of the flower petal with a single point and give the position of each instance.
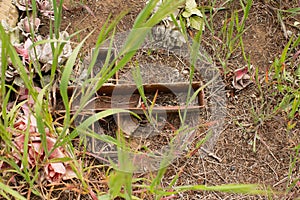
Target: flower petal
(239, 73)
(55, 171)
(241, 78)
(69, 173)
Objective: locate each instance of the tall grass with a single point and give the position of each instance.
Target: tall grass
(286, 81)
(231, 32)
(117, 179)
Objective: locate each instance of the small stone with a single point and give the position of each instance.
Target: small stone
(185, 72)
(289, 33)
(232, 168)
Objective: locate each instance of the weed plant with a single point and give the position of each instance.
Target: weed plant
(120, 183)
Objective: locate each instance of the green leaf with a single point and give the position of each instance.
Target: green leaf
(196, 22)
(145, 13)
(297, 73)
(191, 9)
(104, 197)
(196, 11)
(295, 105)
(102, 137)
(92, 119)
(190, 4)
(167, 8)
(63, 160)
(186, 14)
(40, 118)
(285, 103)
(116, 180)
(65, 81)
(285, 51)
(230, 188)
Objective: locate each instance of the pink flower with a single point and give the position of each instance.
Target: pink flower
(22, 123)
(241, 78)
(26, 121)
(23, 4)
(58, 152)
(35, 151)
(23, 50)
(25, 24)
(55, 171)
(46, 8)
(24, 95)
(69, 173)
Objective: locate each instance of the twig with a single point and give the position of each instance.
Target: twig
(279, 182)
(282, 25)
(268, 148)
(204, 171)
(210, 154)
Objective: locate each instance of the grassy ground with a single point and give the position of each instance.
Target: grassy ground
(255, 156)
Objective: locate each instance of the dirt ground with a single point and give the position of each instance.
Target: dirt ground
(263, 41)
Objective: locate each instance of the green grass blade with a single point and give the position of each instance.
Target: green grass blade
(228, 188)
(17, 63)
(144, 15)
(40, 118)
(115, 183)
(285, 51)
(101, 115)
(65, 80)
(10, 191)
(166, 8)
(88, 122)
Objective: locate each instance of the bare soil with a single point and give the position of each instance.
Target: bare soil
(269, 165)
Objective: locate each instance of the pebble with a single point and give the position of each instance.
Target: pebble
(185, 72)
(232, 168)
